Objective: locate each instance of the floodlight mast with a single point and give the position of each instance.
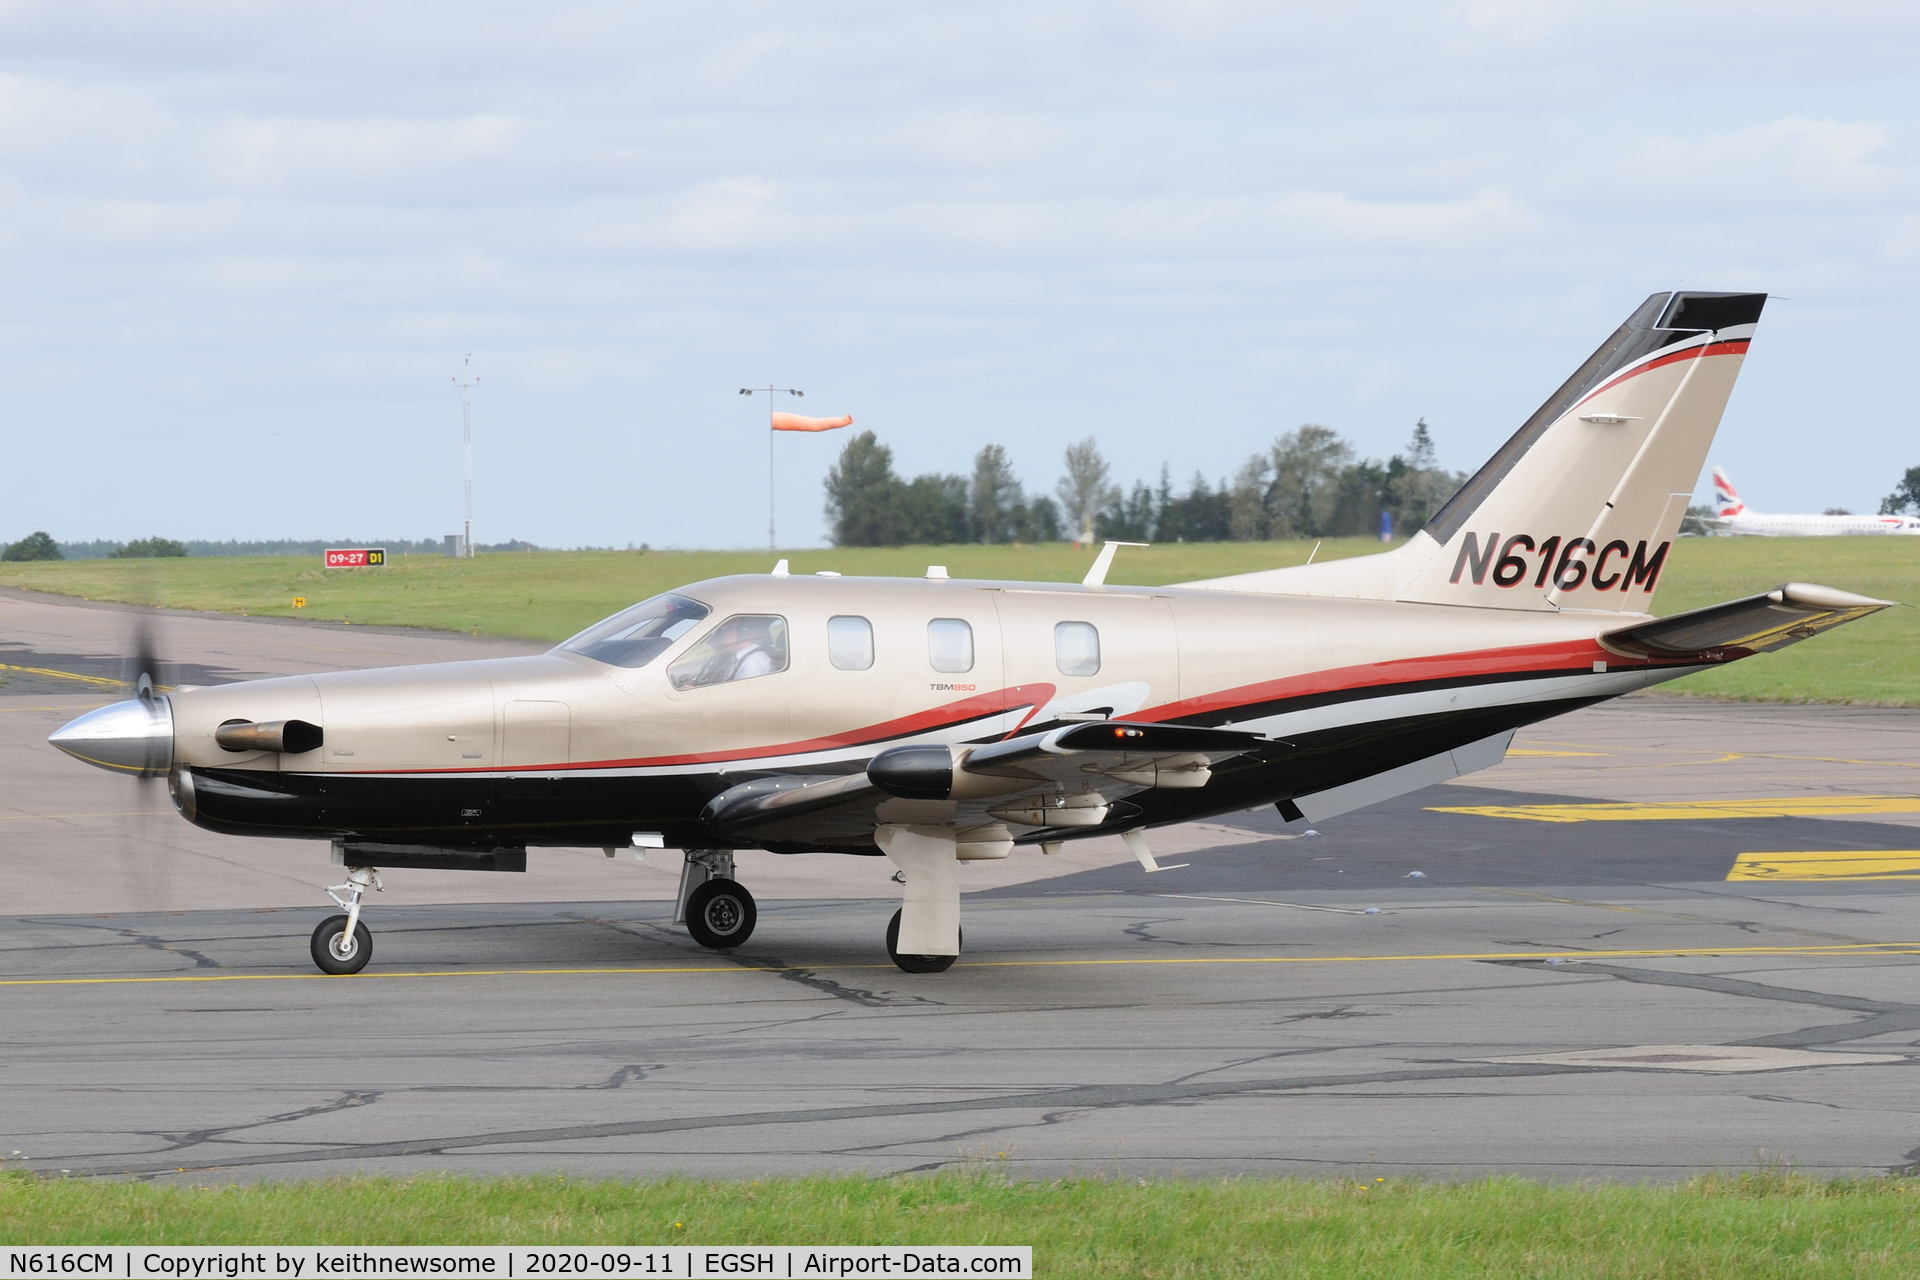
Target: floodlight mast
(771, 391)
(466, 380)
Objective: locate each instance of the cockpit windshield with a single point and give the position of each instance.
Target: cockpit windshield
(636, 636)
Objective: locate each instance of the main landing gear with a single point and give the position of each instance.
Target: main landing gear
(719, 912)
(924, 934)
(342, 944)
(717, 909)
(915, 963)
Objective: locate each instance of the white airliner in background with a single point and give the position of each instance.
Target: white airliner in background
(1735, 518)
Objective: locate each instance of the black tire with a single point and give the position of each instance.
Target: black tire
(913, 963)
(334, 952)
(721, 914)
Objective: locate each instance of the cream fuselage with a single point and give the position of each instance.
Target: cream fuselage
(563, 749)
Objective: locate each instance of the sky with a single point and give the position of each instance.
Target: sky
(247, 246)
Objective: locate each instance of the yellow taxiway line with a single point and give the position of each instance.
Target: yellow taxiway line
(1816, 949)
(107, 681)
(1828, 864)
(1693, 810)
(1541, 751)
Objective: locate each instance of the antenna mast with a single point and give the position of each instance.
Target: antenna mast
(466, 380)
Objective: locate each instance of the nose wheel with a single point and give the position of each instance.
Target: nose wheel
(340, 947)
(342, 944)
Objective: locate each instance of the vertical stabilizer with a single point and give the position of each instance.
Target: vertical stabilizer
(1578, 510)
(1726, 498)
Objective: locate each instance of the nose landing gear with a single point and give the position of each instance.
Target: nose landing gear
(342, 944)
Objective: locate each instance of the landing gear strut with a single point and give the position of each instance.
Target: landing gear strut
(717, 909)
(342, 944)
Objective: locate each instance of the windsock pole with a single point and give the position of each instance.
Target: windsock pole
(771, 392)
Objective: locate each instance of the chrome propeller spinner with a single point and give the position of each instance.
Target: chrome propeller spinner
(133, 736)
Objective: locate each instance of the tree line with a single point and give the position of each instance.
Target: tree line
(1308, 484)
(39, 545)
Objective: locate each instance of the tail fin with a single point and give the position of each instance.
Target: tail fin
(1579, 508)
(1725, 496)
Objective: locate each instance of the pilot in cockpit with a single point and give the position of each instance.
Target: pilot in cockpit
(742, 647)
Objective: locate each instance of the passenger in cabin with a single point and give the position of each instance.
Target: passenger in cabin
(742, 647)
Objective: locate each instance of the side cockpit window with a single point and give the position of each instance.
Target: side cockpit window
(636, 636)
(744, 646)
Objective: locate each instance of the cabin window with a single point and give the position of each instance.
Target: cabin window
(950, 644)
(1076, 648)
(850, 642)
(637, 635)
(744, 646)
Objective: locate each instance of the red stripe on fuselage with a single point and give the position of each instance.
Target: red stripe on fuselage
(1028, 696)
(1569, 656)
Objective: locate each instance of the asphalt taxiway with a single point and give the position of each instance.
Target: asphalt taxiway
(1664, 937)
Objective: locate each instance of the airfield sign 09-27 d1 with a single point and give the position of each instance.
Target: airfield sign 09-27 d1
(356, 557)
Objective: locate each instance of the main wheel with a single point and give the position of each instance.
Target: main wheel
(335, 951)
(720, 914)
(913, 963)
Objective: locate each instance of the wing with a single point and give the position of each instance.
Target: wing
(1074, 776)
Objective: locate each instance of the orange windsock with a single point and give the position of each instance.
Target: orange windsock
(799, 422)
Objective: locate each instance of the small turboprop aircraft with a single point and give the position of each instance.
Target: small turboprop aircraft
(935, 720)
(1734, 517)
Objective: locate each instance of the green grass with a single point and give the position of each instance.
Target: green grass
(1875, 660)
(550, 595)
(1758, 1225)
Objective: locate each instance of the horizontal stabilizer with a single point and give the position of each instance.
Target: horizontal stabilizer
(1758, 624)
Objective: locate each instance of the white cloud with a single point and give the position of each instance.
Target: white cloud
(1789, 161)
(1477, 221)
(1222, 194)
(983, 140)
(266, 152)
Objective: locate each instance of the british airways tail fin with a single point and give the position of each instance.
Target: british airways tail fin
(1579, 508)
(1726, 498)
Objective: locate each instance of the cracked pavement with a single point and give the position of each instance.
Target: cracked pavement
(518, 1039)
